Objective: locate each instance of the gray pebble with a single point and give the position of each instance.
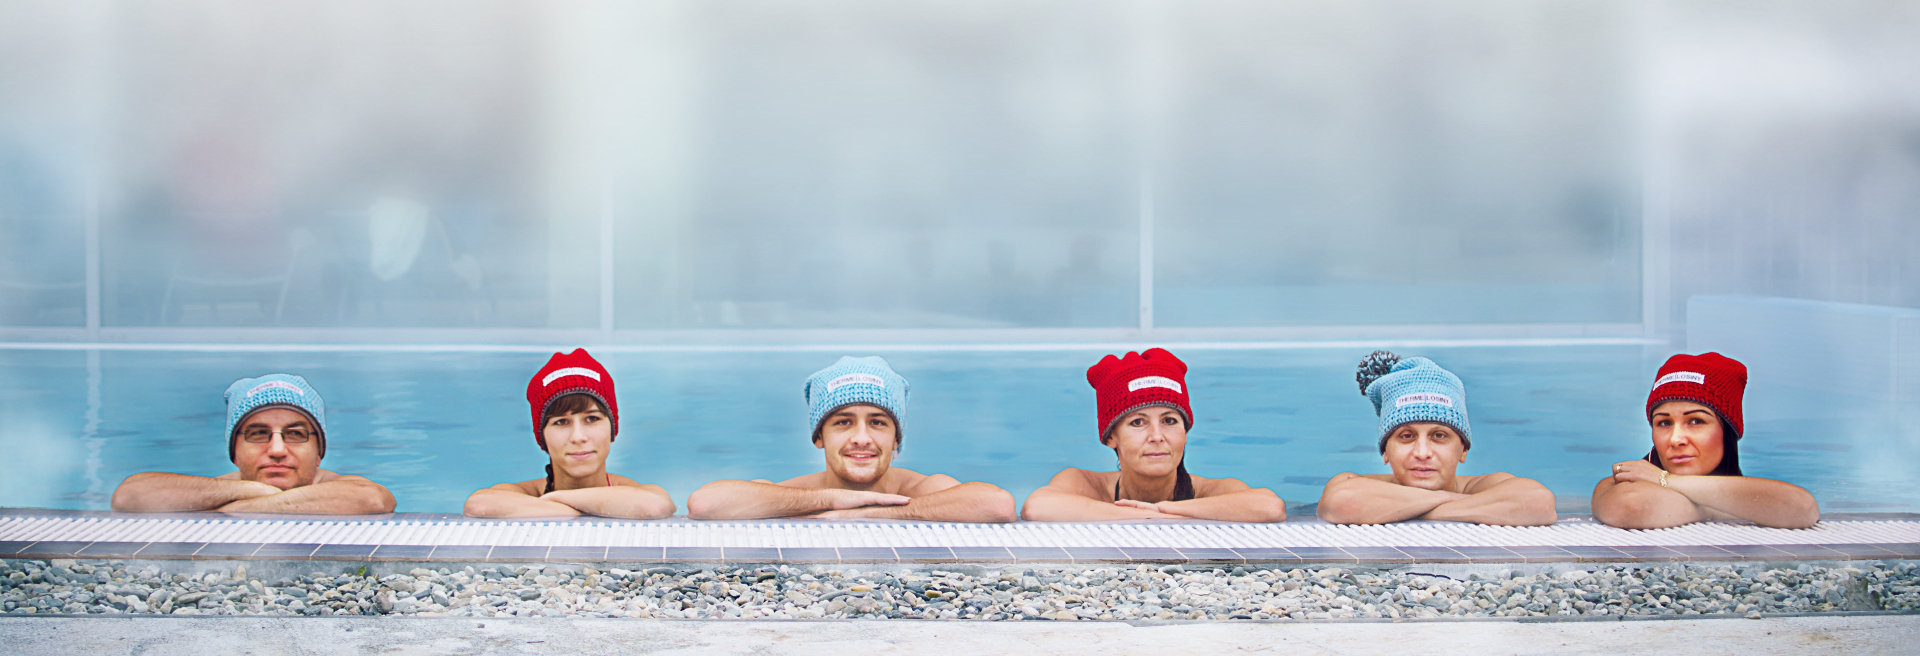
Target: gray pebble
(1007, 592)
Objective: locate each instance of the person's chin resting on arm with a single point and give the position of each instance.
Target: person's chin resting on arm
(276, 436)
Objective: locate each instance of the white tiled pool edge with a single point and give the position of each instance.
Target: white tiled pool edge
(23, 533)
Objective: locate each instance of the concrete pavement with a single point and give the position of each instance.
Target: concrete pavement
(1850, 634)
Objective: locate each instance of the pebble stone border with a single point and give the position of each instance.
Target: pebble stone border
(1008, 592)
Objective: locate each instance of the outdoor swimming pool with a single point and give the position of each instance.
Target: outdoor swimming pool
(434, 426)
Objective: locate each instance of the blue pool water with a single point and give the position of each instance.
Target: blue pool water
(434, 427)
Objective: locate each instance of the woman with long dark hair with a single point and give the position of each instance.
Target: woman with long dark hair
(1693, 472)
(1144, 416)
(575, 418)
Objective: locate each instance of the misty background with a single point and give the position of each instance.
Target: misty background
(1613, 180)
(1577, 167)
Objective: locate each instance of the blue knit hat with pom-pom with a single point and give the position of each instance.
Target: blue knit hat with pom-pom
(1405, 391)
(856, 380)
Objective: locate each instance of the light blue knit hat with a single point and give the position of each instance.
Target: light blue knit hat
(1413, 390)
(856, 380)
(284, 390)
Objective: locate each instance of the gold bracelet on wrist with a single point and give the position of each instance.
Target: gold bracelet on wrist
(1663, 478)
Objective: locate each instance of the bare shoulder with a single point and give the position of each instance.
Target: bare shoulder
(354, 478)
(912, 483)
(1477, 484)
(1092, 484)
(814, 481)
(532, 488)
(617, 479)
(1207, 487)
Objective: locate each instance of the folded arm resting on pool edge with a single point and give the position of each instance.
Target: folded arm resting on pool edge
(1499, 499)
(1247, 504)
(330, 494)
(1073, 496)
(935, 498)
(958, 502)
(1634, 499)
(624, 498)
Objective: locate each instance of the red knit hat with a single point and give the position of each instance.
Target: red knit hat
(1709, 379)
(570, 373)
(1137, 380)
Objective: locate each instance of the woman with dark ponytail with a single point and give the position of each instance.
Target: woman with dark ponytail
(575, 418)
(1693, 471)
(1144, 416)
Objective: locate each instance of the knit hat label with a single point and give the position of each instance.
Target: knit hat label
(1423, 397)
(246, 395)
(1714, 380)
(569, 371)
(1138, 384)
(1124, 383)
(856, 379)
(276, 384)
(580, 373)
(850, 380)
(1681, 377)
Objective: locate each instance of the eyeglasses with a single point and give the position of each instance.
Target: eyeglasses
(263, 435)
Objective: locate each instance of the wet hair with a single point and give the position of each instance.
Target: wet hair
(567, 404)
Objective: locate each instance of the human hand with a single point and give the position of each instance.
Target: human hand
(850, 499)
(1161, 509)
(834, 514)
(245, 494)
(1636, 470)
(254, 490)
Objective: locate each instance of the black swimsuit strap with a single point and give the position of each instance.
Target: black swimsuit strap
(1182, 485)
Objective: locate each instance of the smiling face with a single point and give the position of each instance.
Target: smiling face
(1689, 437)
(1149, 442)
(1424, 455)
(275, 460)
(859, 441)
(578, 436)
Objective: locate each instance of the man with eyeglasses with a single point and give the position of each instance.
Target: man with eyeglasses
(276, 435)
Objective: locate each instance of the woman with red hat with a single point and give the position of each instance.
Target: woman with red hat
(1693, 472)
(575, 418)
(1144, 415)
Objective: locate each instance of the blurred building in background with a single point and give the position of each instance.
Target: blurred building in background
(749, 171)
